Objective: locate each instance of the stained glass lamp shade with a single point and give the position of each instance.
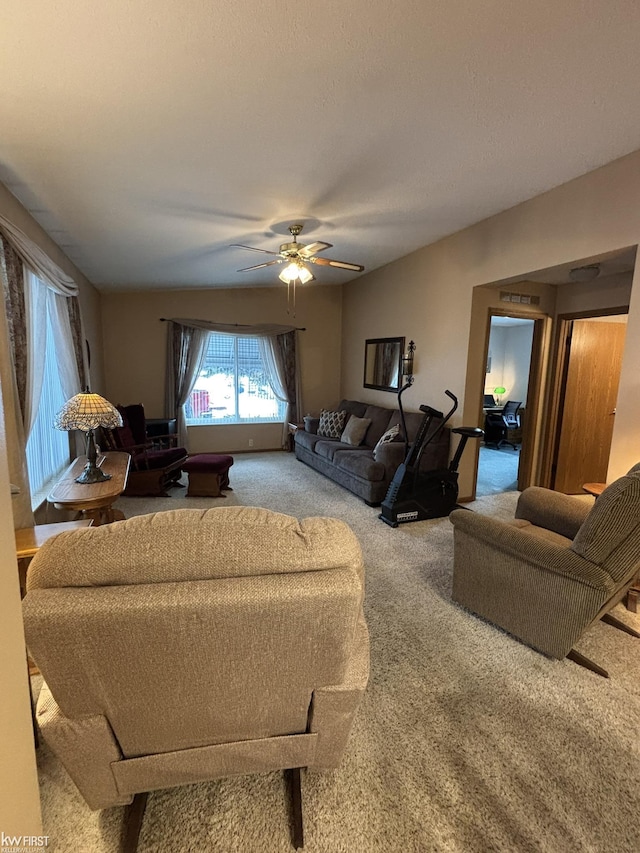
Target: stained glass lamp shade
(87, 412)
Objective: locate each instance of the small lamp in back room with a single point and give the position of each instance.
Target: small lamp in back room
(499, 391)
(87, 412)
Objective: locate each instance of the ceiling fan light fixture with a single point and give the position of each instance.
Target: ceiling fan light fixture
(295, 255)
(304, 274)
(289, 273)
(295, 271)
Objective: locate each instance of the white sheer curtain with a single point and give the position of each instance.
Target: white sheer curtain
(52, 378)
(186, 351)
(41, 301)
(40, 279)
(35, 297)
(65, 352)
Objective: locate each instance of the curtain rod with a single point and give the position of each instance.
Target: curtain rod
(239, 325)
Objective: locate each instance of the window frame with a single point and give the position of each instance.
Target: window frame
(236, 367)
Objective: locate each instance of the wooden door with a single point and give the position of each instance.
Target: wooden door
(593, 364)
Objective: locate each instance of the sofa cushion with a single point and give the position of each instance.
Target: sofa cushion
(412, 420)
(123, 437)
(355, 431)
(541, 532)
(155, 459)
(353, 407)
(379, 422)
(355, 461)
(328, 447)
(331, 424)
(390, 435)
(308, 440)
(208, 463)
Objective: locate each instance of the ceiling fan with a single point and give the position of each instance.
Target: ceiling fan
(296, 255)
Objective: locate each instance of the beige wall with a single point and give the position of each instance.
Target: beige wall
(510, 349)
(614, 291)
(19, 794)
(427, 295)
(135, 340)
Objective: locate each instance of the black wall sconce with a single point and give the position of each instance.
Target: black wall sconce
(407, 364)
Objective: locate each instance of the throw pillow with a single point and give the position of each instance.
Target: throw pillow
(355, 430)
(331, 424)
(389, 435)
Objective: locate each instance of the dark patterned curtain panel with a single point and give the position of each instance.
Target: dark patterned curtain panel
(186, 349)
(13, 287)
(287, 346)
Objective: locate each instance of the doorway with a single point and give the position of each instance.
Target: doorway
(590, 287)
(507, 379)
(590, 351)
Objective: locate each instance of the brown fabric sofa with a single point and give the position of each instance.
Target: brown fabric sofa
(185, 645)
(364, 471)
(553, 571)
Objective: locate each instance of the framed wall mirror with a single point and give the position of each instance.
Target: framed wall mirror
(383, 363)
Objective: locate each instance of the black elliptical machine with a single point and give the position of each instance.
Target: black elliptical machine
(415, 495)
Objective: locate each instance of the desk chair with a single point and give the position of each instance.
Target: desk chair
(500, 426)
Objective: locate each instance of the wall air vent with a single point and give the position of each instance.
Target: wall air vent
(521, 298)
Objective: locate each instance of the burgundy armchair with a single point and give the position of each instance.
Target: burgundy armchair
(156, 465)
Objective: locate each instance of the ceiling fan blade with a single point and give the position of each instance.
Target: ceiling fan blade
(252, 248)
(312, 248)
(343, 265)
(260, 266)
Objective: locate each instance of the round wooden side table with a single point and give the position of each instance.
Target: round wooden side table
(595, 489)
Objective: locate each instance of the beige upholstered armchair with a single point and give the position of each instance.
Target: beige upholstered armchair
(561, 565)
(183, 646)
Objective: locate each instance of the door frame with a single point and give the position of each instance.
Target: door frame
(532, 427)
(557, 382)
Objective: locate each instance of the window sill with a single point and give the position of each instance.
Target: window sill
(246, 422)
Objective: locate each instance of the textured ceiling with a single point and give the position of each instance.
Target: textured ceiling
(147, 136)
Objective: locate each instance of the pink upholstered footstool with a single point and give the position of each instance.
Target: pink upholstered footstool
(208, 474)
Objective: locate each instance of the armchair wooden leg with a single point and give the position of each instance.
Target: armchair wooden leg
(295, 792)
(620, 625)
(576, 657)
(133, 823)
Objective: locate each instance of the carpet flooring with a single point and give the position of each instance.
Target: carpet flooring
(497, 470)
(466, 741)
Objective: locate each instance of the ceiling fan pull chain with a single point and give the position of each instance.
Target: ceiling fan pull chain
(289, 300)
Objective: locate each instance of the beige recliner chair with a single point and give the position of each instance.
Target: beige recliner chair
(183, 646)
(561, 565)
